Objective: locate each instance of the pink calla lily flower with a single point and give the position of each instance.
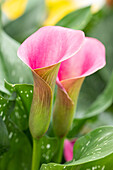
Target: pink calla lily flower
(50, 45)
(68, 149)
(72, 72)
(43, 52)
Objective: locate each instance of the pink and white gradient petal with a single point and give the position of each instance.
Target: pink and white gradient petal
(88, 60)
(50, 45)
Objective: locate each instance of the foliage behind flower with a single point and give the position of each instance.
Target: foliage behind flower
(57, 9)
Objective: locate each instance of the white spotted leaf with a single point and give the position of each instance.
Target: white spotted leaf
(19, 153)
(93, 151)
(20, 113)
(48, 148)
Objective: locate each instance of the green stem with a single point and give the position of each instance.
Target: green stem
(36, 154)
(58, 156)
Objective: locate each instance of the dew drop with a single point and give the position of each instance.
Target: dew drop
(4, 118)
(47, 157)
(87, 143)
(31, 91)
(103, 167)
(19, 97)
(97, 149)
(10, 135)
(4, 105)
(82, 148)
(1, 114)
(48, 146)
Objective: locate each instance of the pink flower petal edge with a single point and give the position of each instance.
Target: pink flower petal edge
(68, 149)
(89, 59)
(50, 45)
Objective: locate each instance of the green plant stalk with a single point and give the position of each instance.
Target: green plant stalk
(36, 154)
(59, 154)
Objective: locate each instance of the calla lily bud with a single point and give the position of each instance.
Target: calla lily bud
(58, 9)
(68, 149)
(14, 8)
(72, 72)
(43, 52)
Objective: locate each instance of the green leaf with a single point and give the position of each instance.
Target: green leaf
(48, 148)
(4, 91)
(103, 119)
(77, 19)
(48, 145)
(6, 106)
(20, 113)
(17, 103)
(19, 154)
(93, 151)
(100, 27)
(100, 105)
(77, 125)
(11, 67)
(103, 102)
(95, 145)
(4, 139)
(93, 86)
(28, 23)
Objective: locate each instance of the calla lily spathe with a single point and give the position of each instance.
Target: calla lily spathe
(72, 72)
(43, 52)
(57, 9)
